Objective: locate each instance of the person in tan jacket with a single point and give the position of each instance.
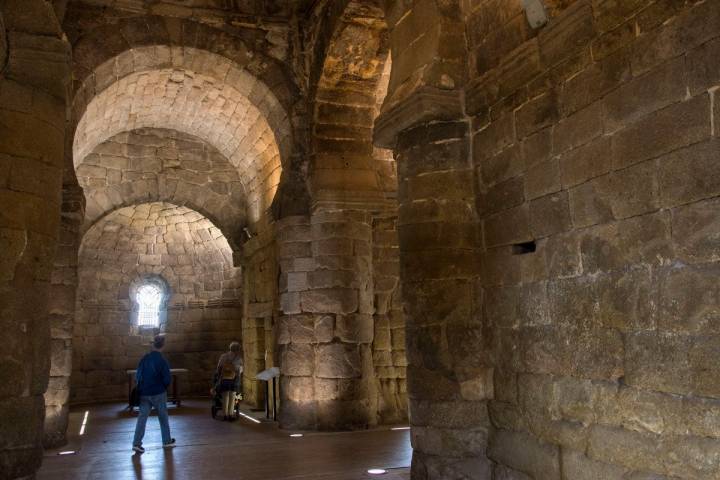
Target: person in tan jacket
(229, 370)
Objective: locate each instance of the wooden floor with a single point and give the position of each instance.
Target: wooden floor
(209, 449)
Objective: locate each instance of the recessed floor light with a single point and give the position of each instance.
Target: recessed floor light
(249, 417)
(377, 471)
(296, 434)
(67, 452)
(84, 422)
(400, 428)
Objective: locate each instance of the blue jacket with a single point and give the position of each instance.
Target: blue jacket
(153, 374)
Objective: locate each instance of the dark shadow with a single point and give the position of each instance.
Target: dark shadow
(137, 465)
(169, 464)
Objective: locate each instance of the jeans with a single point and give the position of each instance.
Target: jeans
(158, 401)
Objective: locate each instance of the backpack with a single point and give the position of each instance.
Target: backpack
(227, 371)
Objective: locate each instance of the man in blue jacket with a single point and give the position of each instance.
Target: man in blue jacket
(153, 378)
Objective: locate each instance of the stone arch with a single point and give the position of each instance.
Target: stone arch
(195, 92)
(350, 86)
(204, 308)
(93, 51)
(342, 376)
(149, 165)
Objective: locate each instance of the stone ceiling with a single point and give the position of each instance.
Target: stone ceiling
(156, 238)
(159, 164)
(224, 106)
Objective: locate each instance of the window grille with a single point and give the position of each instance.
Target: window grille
(149, 298)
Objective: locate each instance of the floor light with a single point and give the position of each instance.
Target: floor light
(67, 452)
(296, 435)
(84, 422)
(249, 417)
(400, 428)
(377, 471)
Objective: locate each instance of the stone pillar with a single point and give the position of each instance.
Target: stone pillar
(61, 308)
(449, 376)
(33, 88)
(449, 373)
(326, 331)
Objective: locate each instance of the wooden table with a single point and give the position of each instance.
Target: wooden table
(174, 372)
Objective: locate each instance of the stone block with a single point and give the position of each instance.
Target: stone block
(440, 264)
(297, 360)
(695, 231)
(567, 32)
(676, 126)
(595, 81)
(550, 215)
(478, 386)
(15, 241)
(659, 361)
(355, 328)
(439, 301)
(645, 94)
(637, 240)
(542, 178)
(502, 166)
(505, 473)
(494, 138)
(575, 465)
(596, 353)
(692, 27)
(330, 300)
(507, 194)
(689, 301)
(337, 360)
(628, 300)
(536, 115)
(578, 129)
(633, 191)
(589, 203)
(703, 71)
(526, 454)
(689, 174)
(561, 256)
(538, 147)
(435, 440)
(499, 266)
(623, 447)
(508, 227)
(296, 329)
(451, 154)
(453, 184)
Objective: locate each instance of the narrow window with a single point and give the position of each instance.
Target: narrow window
(149, 297)
(524, 248)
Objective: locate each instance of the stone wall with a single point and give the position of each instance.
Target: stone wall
(34, 76)
(594, 139)
(260, 289)
(204, 309)
(389, 358)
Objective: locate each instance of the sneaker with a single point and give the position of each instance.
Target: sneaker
(170, 444)
(138, 449)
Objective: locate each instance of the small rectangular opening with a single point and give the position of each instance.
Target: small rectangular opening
(524, 248)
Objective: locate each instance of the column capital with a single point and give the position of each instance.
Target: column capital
(423, 105)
